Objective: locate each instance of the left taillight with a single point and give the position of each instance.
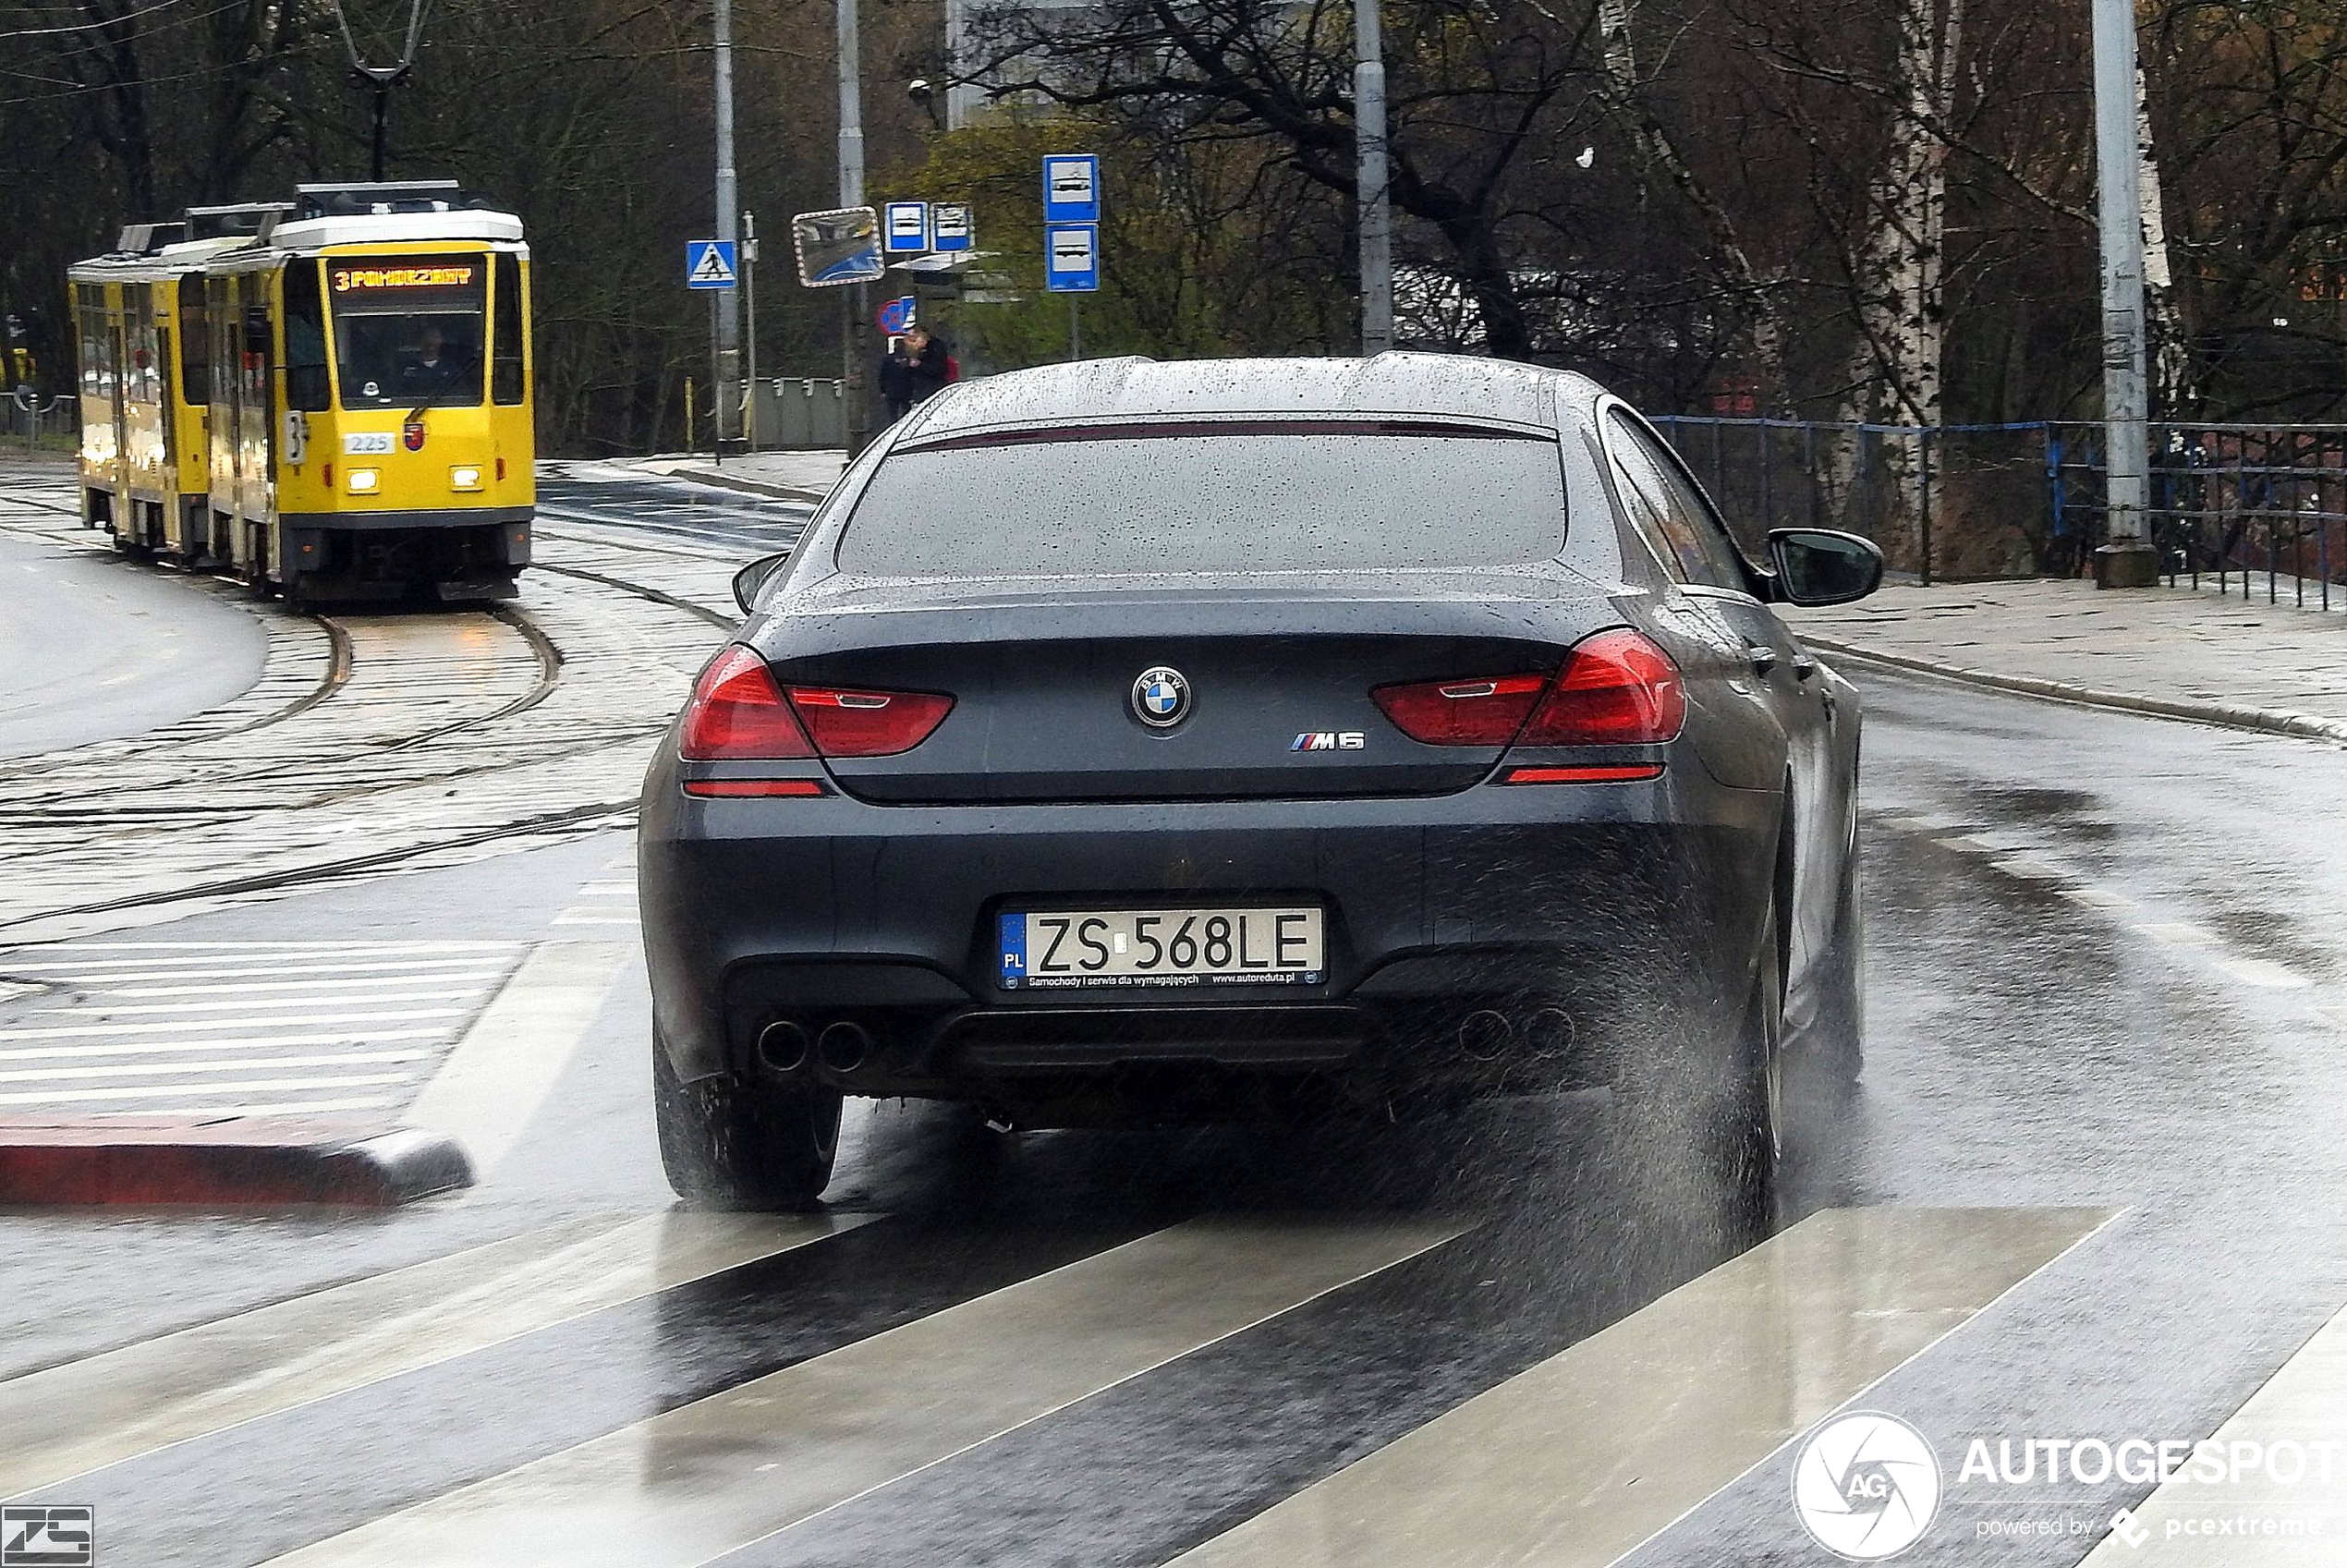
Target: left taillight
(738, 714)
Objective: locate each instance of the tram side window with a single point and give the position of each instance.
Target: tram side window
(97, 344)
(508, 377)
(408, 330)
(256, 357)
(306, 385)
(195, 342)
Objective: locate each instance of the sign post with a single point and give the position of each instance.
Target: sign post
(1072, 235)
(709, 265)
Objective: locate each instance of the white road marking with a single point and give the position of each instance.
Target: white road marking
(197, 969)
(72, 1031)
(1575, 1461)
(246, 1042)
(215, 1114)
(2177, 934)
(577, 917)
(71, 1419)
(433, 989)
(474, 977)
(2263, 974)
(265, 1086)
(882, 1407)
(496, 1077)
(2096, 898)
(241, 1065)
(2304, 1404)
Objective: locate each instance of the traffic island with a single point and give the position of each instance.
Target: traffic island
(250, 1162)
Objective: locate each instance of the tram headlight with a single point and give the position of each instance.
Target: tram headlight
(364, 481)
(467, 478)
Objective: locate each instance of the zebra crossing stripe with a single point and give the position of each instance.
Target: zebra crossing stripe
(734, 1468)
(501, 1072)
(1576, 1461)
(71, 1419)
(2277, 1522)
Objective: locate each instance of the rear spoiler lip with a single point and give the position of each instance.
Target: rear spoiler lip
(1172, 426)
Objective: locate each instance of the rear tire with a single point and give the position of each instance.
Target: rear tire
(1834, 1043)
(1706, 1124)
(734, 1143)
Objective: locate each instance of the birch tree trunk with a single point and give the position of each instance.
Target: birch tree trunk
(1898, 271)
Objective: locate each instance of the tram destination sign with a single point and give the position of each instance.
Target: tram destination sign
(841, 245)
(376, 277)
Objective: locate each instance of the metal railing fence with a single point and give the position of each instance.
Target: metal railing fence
(26, 417)
(2228, 500)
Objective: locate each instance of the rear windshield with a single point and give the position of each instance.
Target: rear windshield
(1198, 499)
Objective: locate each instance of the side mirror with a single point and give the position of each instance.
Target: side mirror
(752, 581)
(1821, 567)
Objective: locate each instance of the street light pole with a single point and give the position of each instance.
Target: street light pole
(729, 305)
(851, 194)
(2127, 558)
(1371, 191)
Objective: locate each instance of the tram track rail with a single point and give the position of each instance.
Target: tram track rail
(568, 694)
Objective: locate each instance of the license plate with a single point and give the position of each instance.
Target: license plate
(1062, 949)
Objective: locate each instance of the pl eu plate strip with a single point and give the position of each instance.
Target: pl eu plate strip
(1576, 1461)
(731, 1469)
(74, 1418)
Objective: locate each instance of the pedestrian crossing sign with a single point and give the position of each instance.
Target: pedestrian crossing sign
(709, 264)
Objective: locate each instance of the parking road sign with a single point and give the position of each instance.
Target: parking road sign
(906, 229)
(709, 264)
(1072, 188)
(1072, 257)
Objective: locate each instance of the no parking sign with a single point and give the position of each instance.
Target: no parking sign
(896, 316)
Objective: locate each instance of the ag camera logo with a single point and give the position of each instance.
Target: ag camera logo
(1866, 1486)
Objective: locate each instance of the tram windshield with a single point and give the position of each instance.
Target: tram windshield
(408, 330)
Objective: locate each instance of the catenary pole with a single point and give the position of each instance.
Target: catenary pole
(2127, 558)
(851, 194)
(1372, 198)
(729, 346)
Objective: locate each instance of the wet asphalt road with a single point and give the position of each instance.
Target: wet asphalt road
(2105, 971)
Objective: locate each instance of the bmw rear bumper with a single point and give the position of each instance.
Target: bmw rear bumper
(1569, 910)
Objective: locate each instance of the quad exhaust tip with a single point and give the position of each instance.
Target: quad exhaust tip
(841, 1048)
(1483, 1034)
(782, 1047)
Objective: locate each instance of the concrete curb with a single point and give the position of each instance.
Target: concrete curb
(724, 480)
(221, 1165)
(2232, 715)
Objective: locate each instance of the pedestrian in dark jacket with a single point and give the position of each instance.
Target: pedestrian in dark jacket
(896, 381)
(929, 361)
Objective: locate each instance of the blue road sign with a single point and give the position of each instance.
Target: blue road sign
(709, 264)
(905, 227)
(1072, 187)
(897, 314)
(1072, 257)
(952, 226)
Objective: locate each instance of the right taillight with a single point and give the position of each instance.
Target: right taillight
(738, 714)
(867, 723)
(1616, 688)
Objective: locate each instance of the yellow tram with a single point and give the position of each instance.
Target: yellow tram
(355, 374)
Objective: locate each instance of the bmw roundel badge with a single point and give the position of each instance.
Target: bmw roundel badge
(1161, 698)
